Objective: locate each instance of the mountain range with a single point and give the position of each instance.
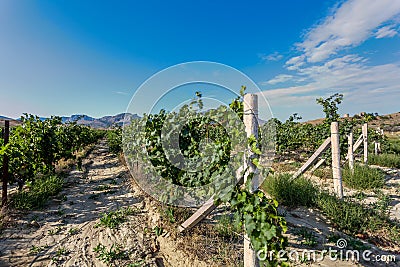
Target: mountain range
(103, 122)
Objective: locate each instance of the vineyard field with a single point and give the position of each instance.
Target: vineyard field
(74, 200)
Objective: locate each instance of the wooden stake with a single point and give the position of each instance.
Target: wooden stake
(336, 171)
(350, 151)
(199, 215)
(365, 141)
(317, 165)
(250, 117)
(206, 209)
(356, 145)
(5, 165)
(377, 147)
(313, 158)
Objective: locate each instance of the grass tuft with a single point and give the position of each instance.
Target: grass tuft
(347, 216)
(228, 227)
(385, 160)
(291, 193)
(38, 193)
(363, 177)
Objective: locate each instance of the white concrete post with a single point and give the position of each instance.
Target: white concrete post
(337, 173)
(365, 141)
(250, 116)
(350, 153)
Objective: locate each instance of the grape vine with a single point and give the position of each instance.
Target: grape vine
(37, 145)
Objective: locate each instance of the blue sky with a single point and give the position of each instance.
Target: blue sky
(68, 57)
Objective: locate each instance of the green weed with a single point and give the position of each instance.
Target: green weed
(38, 193)
(291, 193)
(158, 230)
(103, 187)
(385, 160)
(227, 227)
(59, 253)
(309, 238)
(363, 177)
(73, 231)
(108, 256)
(37, 249)
(114, 218)
(55, 231)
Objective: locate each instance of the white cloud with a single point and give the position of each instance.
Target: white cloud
(271, 57)
(278, 79)
(324, 71)
(349, 25)
(386, 31)
(295, 63)
(120, 93)
(377, 86)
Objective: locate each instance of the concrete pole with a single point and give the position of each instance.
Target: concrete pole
(350, 153)
(365, 141)
(337, 173)
(250, 116)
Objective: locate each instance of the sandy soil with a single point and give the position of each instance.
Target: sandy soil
(64, 233)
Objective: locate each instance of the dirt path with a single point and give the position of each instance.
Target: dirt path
(64, 233)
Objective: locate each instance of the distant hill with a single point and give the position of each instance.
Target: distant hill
(103, 122)
(5, 118)
(12, 121)
(389, 122)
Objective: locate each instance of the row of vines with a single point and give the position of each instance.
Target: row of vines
(37, 145)
(294, 137)
(253, 212)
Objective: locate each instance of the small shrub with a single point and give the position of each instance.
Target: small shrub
(385, 160)
(291, 193)
(38, 193)
(348, 216)
(363, 177)
(393, 146)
